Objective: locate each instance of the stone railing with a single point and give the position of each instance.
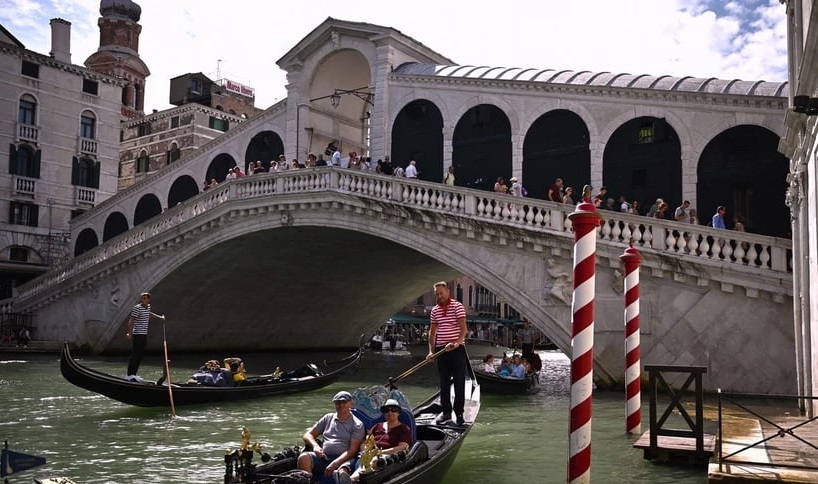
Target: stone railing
(691, 242)
(85, 196)
(23, 185)
(27, 132)
(87, 146)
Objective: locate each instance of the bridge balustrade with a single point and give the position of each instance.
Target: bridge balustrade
(691, 242)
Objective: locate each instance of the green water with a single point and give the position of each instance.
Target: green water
(91, 439)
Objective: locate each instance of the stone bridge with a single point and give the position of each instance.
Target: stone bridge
(313, 258)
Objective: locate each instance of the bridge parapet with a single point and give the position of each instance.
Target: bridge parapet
(737, 251)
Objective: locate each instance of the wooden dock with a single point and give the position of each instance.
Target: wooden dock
(678, 450)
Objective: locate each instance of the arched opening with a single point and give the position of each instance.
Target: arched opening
(556, 146)
(742, 169)
(264, 147)
(147, 208)
(342, 120)
(643, 161)
(418, 135)
(481, 147)
(86, 240)
(88, 125)
(218, 168)
(183, 188)
(115, 224)
(27, 110)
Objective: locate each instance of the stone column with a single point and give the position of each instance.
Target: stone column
(293, 139)
(379, 121)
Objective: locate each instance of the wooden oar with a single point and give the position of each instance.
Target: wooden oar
(167, 369)
(426, 361)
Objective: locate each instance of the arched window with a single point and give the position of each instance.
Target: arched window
(88, 125)
(85, 173)
(28, 110)
(143, 162)
(173, 153)
(24, 161)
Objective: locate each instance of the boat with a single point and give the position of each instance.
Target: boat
(427, 461)
(154, 394)
(494, 383)
(479, 348)
(393, 343)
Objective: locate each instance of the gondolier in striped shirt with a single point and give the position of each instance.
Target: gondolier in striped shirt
(138, 333)
(448, 331)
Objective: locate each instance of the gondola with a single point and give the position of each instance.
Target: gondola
(426, 462)
(151, 394)
(494, 383)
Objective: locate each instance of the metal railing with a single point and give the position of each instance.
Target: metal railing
(695, 428)
(12, 323)
(781, 431)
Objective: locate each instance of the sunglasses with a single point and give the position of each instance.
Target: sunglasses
(390, 409)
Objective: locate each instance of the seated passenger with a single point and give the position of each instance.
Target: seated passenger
(488, 364)
(505, 367)
(236, 368)
(390, 436)
(517, 368)
(342, 434)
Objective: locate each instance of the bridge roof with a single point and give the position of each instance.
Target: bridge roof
(602, 79)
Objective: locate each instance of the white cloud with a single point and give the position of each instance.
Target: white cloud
(703, 38)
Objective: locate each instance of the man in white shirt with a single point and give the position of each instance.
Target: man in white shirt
(335, 160)
(411, 170)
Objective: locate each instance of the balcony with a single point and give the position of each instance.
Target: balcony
(27, 132)
(85, 196)
(23, 185)
(87, 146)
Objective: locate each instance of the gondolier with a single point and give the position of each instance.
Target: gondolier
(138, 333)
(448, 330)
(527, 337)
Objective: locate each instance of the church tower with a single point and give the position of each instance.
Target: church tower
(118, 53)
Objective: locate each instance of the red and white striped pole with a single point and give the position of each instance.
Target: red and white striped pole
(633, 364)
(585, 220)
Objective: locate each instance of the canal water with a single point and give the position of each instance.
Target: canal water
(94, 440)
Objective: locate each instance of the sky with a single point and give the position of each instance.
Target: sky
(241, 40)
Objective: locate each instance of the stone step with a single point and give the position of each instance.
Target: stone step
(35, 346)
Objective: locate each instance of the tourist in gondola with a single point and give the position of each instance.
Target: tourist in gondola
(488, 364)
(342, 434)
(518, 369)
(505, 366)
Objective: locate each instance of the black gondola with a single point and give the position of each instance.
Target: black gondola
(494, 383)
(150, 394)
(426, 462)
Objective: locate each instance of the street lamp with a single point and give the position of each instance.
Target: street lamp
(363, 93)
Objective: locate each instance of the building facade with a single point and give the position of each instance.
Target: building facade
(59, 124)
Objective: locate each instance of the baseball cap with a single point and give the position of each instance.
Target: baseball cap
(342, 396)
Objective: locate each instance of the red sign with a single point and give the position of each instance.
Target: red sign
(239, 88)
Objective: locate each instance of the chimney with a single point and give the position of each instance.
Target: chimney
(61, 40)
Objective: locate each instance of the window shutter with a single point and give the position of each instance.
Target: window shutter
(11, 212)
(35, 215)
(12, 159)
(75, 171)
(35, 169)
(95, 175)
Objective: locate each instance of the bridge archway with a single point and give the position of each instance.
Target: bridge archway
(147, 207)
(183, 188)
(742, 169)
(481, 147)
(86, 240)
(417, 134)
(265, 147)
(557, 145)
(643, 161)
(219, 166)
(115, 224)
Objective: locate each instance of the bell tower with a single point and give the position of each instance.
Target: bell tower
(118, 53)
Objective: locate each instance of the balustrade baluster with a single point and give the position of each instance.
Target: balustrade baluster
(692, 243)
(681, 242)
(764, 256)
(670, 241)
(604, 230)
(480, 206)
(726, 250)
(616, 231)
(739, 253)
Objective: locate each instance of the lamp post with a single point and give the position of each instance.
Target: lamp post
(363, 93)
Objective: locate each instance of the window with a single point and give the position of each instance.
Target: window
(196, 86)
(174, 122)
(85, 173)
(218, 123)
(143, 129)
(90, 87)
(18, 254)
(143, 162)
(174, 153)
(645, 134)
(76, 213)
(24, 161)
(21, 213)
(31, 69)
(87, 125)
(28, 109)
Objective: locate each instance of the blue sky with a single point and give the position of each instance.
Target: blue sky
(738, 39)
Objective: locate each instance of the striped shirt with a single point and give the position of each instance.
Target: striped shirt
(140, 314)
(446, 317)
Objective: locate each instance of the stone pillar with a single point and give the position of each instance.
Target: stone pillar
(379, 121)
(293, 139)
(448, 135)
(517, 141)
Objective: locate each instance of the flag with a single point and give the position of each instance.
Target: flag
(11, 462)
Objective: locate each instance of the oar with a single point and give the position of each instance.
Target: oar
(167, 369)
(426, 361)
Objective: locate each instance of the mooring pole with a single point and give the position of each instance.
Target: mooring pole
(633, 364)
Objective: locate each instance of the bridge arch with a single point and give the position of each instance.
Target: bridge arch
(218, 168)
(86, 240)
(265, 147)
(417, 134)
(556, 145)
(147, 207)
(182, 188)
(642, 161)
(115, 224)
(742, 169)
(481, 147)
